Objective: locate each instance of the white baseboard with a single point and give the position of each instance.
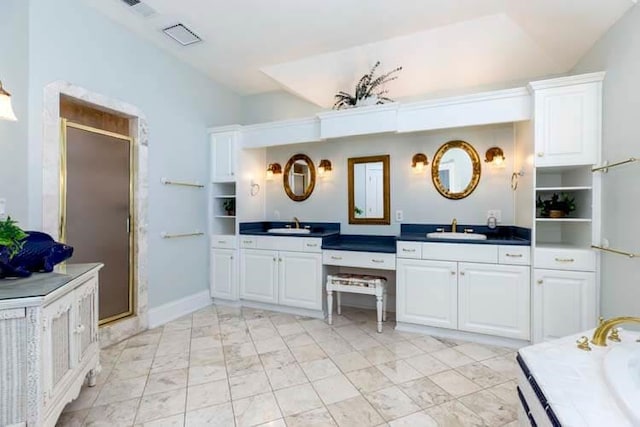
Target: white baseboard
(176, 309)
(462, 335)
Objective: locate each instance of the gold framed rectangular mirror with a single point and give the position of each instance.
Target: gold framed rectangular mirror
(369, 190)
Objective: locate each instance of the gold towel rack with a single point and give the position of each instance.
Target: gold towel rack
(605, 168)
(166, 235)
(616, 251)
(185, 184)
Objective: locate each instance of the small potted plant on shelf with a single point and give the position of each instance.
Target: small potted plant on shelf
(558, 206)
(229, 207)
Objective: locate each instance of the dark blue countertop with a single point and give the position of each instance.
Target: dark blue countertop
(318, 229)
(360, 243)
(502, 235)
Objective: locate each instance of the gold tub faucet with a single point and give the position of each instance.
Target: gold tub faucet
(602, 331)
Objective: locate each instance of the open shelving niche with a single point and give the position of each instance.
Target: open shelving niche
(575, 230)
(221, 222)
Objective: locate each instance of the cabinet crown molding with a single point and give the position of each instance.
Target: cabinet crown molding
(566, 81)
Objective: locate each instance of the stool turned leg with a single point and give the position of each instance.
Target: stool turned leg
(339, 301)
(330, 306)
(379, 309)
(384, 305)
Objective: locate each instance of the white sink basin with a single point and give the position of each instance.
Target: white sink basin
(622, 373)
(456, 236)
(289, 230)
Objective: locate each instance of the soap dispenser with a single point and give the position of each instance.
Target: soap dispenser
(492, 222)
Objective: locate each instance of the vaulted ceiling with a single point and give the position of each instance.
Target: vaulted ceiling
(314, 49)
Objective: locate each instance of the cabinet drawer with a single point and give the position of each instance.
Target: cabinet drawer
(409, 250)
(223, 241)
(460, 252)
(312, 244)
(248, 242)
(565, 259)
(382, 261)
(519, 255)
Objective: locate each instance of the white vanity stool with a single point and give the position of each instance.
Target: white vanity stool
(357, 284)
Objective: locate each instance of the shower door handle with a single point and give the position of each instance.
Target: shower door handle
(128, 224)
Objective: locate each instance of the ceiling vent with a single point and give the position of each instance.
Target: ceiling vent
(140, 8)
(182, 34)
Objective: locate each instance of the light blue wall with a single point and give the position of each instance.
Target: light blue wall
(14, 73)
(70, 41)
(618, 53)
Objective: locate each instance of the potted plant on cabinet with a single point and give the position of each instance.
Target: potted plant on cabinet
(11, 241)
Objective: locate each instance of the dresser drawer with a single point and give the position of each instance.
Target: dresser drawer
(223, 241)
(248, 242)
(409, 250)
(518, 255)
(462, 252)
(382, 261)
(565, 259)
(311, 244)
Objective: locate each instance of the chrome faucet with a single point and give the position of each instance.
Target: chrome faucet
(454, 226)
(297, 221)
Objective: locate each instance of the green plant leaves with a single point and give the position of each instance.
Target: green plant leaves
(11, 236)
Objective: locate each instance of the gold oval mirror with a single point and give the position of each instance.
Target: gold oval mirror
(299, 177)
(456, 169)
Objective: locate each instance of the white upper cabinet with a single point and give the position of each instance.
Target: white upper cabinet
(223, 155)
(568, 120)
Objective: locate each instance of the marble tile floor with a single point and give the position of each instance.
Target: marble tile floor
(226, 366)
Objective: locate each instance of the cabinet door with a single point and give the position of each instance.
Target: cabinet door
(223, 156)
(58, 360)
(300, 279)
(427, 292)
(259, 275)
(564, 303)
(223, 274)
(87, 318)
(494, 299)
(567, 125)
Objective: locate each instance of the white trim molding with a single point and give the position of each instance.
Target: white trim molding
(116, 331)
(176, 309)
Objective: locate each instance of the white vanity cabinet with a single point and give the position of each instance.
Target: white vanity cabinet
(564, 303)
(567, 122)
(49, 343)
(467, 287)
(494, 299)
(223, 274)
(223, 153)
(427, 292)
(291, 277)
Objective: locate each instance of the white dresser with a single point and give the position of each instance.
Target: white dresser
(48, 342)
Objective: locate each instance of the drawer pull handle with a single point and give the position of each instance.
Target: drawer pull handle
(408, 250)
(540, 154)
(565, 260)
(336, 257)
(515, 255)
(247, 241)
(312, 245)
(279, 259)
(378, 261)
(462, 273)
(222, 241)
(453, 273)
(540, 282)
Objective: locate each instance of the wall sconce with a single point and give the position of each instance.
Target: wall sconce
(6, 110)
(418, 162)
(324, 166)
(273, 169)
(495, 156)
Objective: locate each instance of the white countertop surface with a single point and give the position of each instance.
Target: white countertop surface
(573, 380)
